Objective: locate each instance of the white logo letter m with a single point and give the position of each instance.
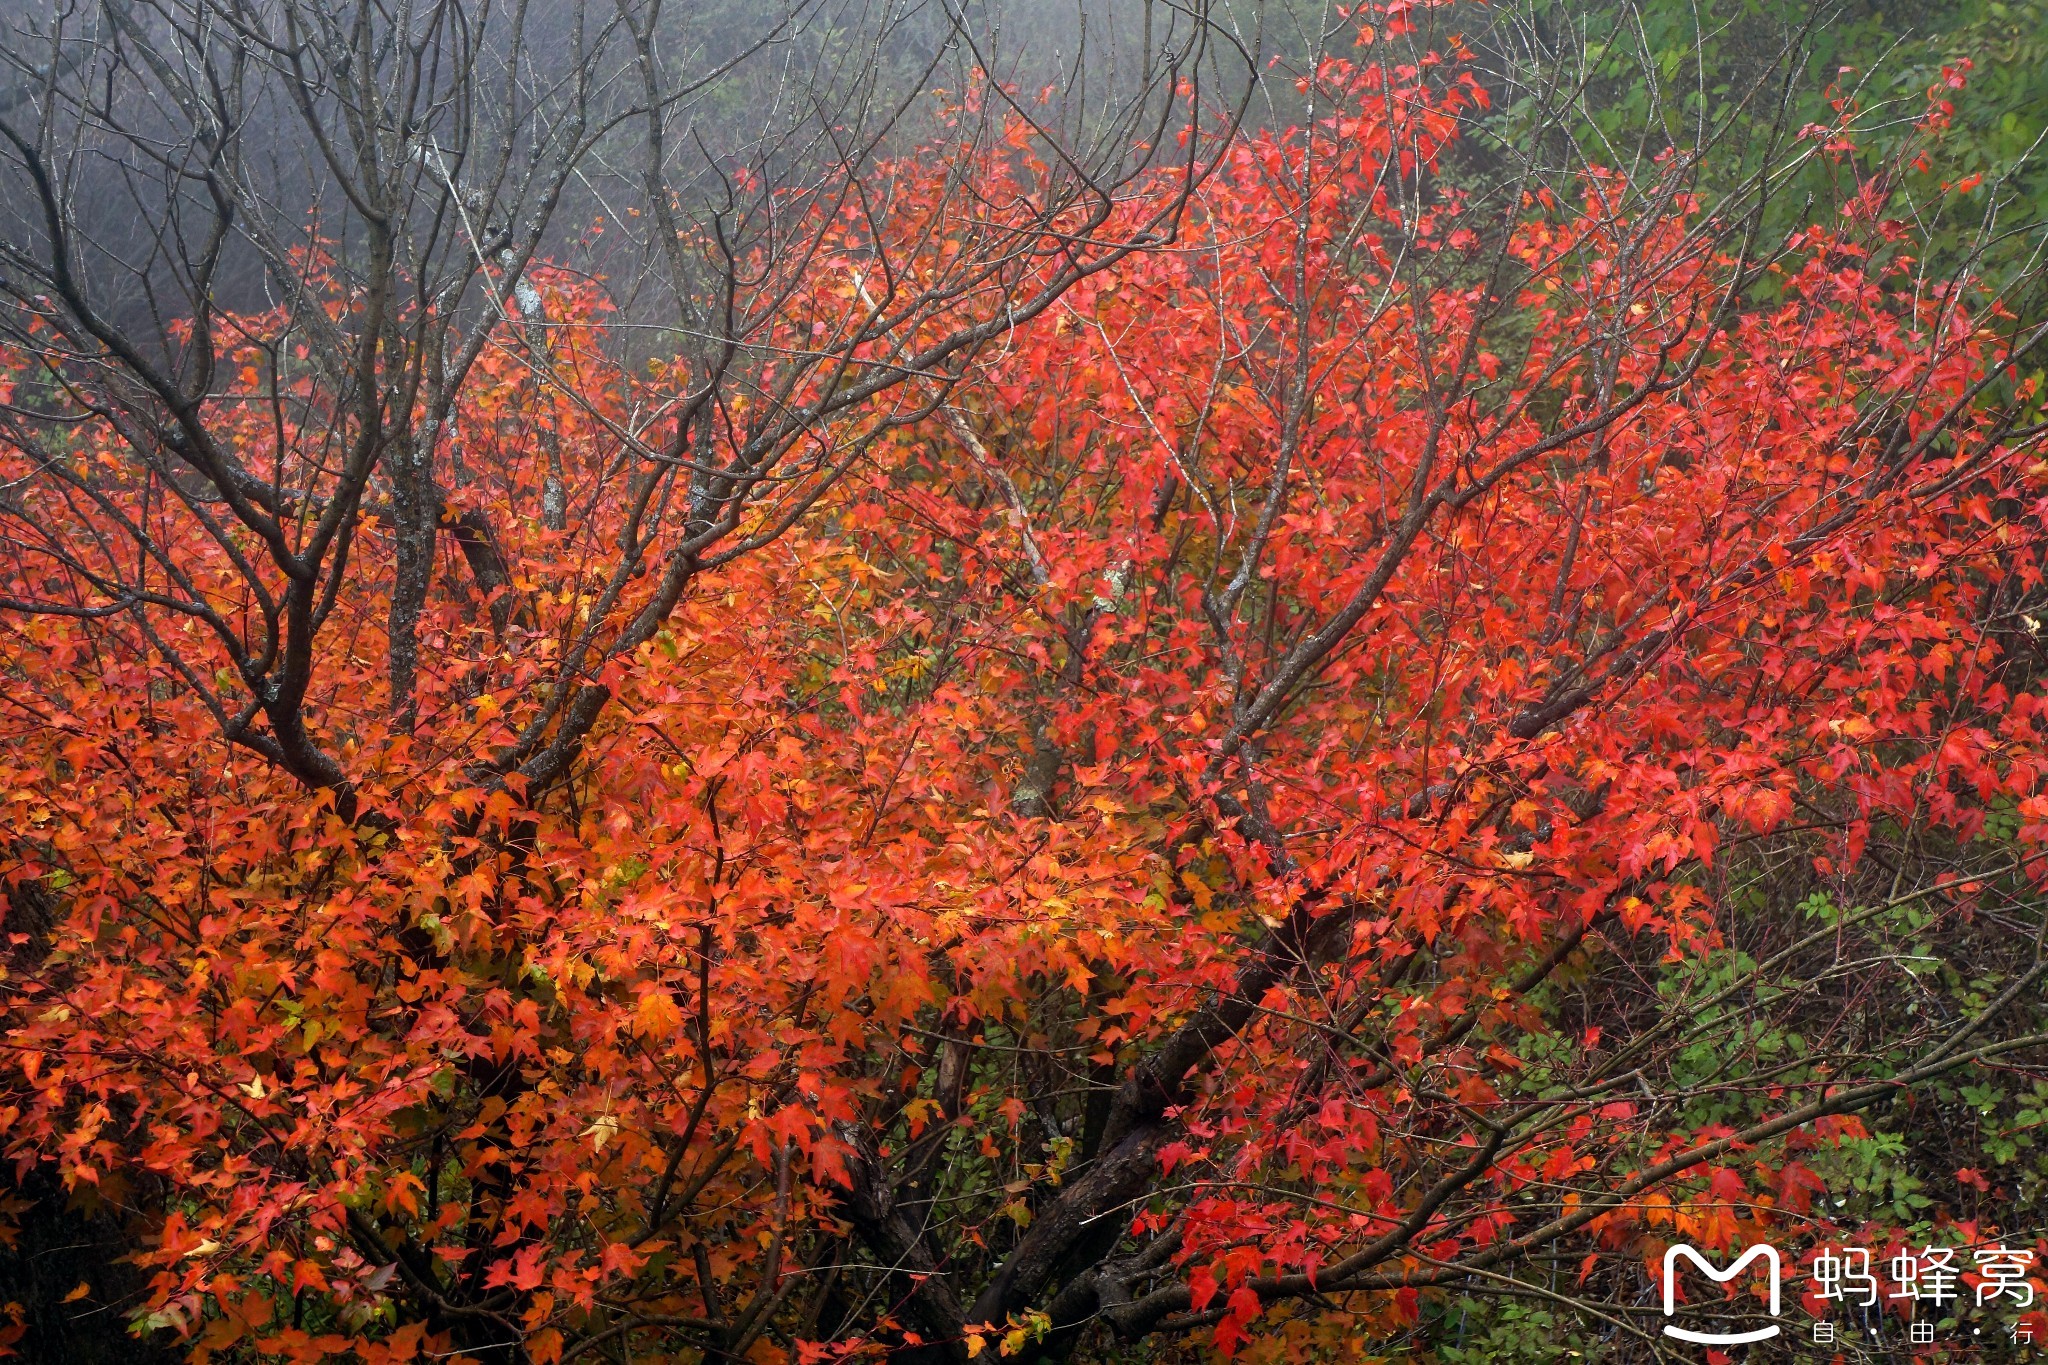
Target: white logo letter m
(1671, 1255)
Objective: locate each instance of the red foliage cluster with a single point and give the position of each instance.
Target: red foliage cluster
(1230, 703)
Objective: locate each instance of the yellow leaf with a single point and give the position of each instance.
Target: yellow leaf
(602, 1131)
(657, 1015)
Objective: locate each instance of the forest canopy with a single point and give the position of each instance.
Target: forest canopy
(1170, 683)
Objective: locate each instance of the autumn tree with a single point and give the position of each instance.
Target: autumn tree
(270, 421)
(1206, 739)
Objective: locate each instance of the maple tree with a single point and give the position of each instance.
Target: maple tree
(1124, 764)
